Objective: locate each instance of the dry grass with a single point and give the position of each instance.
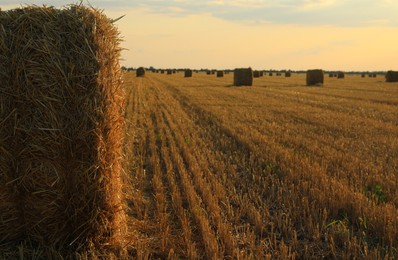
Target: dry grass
(224, 172)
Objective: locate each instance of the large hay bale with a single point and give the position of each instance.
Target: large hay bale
(392, 76)
(270, 74)
(169, 72)
(314, 77)
(288, 74)
(140, 72)
(220, 74)
(61, 131)
(340, 75)
(188, 73)
(243, 77)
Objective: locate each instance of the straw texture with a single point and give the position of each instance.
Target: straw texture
(61, 134)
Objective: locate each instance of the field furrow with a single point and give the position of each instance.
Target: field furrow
(276, 170)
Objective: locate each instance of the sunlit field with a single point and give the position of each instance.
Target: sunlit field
(276, 170)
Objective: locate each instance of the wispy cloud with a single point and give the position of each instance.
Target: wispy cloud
(314, 4)
(345, 13)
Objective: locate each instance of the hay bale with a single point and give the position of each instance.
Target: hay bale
(288, 74)
(243, 77)
(208, 72)
(188, 73)
(220, 74)
(140, 72)
(374, 75)
(169, 72)
(331, 75)
(363, 75)
(256, 74)
(61, 131)
(314, 77)
(392, 76)
(340, 75)
(270, 74)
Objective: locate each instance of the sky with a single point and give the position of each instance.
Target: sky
(349, 35)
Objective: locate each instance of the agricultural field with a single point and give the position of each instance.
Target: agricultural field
(278, 170)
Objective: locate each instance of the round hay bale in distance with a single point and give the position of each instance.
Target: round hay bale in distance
(62, 103)
(288, 74)
(256, 74)
(188, 73)
(220, 74)
(340, 75)
(392, 76)
(314, 77)
(140, 72)
(243, 77)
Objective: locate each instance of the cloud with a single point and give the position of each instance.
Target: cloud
(345, 13)
(314, 4)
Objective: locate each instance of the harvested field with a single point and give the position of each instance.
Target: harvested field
(226, 172)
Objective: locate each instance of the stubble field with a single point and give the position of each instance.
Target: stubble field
(276, 170)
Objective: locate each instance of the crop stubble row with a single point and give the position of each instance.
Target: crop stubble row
(277, 169)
